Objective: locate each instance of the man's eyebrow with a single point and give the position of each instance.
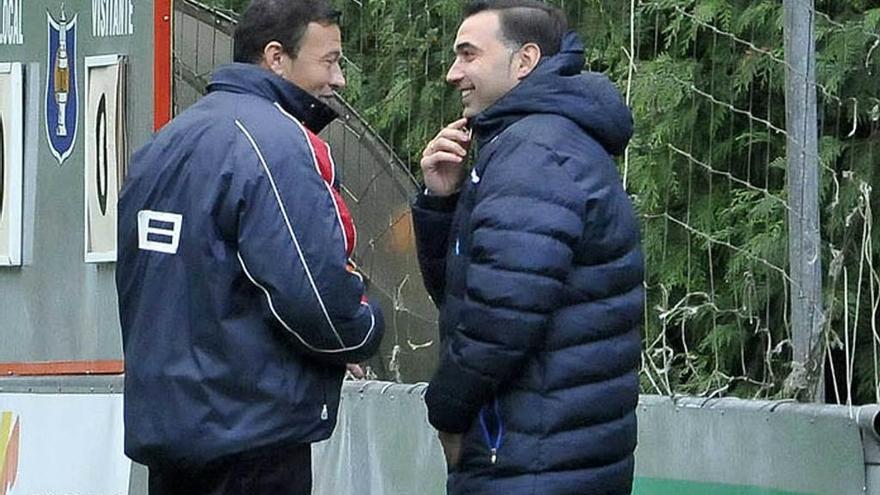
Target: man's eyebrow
(465, 45)
(333, 53)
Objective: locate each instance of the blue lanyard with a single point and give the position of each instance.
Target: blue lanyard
(496, 444)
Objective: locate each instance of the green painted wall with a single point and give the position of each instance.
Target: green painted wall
(655, 486)
(56, 306)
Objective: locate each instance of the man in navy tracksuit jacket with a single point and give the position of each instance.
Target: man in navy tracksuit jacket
(533, 258)
(239, 306)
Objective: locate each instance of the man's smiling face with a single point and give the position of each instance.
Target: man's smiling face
(315, 69)
(483, 68)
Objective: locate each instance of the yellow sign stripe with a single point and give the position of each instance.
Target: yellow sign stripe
(5, 426)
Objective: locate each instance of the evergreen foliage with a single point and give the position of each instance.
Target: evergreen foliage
(706, 168)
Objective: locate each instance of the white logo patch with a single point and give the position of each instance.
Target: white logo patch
(474, 177)
(159, 231)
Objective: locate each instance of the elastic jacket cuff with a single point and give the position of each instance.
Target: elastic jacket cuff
(444, 204)
(449, 399)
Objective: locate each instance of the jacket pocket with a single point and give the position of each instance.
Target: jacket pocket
(492, 425)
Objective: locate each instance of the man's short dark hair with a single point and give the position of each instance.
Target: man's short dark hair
(284, 21)
(525, 21)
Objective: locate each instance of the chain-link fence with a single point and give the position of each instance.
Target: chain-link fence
(711, 173)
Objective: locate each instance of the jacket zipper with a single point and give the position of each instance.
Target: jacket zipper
(325, 413)
(492, 443)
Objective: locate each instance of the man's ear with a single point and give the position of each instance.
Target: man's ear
(527, 59)
(272, 57)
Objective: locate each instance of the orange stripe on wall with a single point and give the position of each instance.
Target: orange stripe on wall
(161, 63)
(54, 368)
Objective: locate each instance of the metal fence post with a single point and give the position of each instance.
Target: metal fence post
(803, 188)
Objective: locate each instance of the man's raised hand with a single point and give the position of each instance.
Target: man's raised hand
(443, 159)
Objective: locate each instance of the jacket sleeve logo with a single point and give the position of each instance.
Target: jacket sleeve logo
(159, 231)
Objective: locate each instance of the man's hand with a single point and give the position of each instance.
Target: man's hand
(451, 443)
(443, 159)
(356, 371)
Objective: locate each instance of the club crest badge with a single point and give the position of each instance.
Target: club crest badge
(61, 94)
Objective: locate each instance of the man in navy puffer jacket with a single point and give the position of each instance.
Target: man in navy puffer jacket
(534, 260)
(239, 307)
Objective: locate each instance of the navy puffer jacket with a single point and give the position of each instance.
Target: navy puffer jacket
(539, 277)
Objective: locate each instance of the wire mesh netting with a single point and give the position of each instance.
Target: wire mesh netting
(707, 170)
(709, 174)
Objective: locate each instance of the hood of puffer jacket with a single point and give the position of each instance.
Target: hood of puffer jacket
(558, 86)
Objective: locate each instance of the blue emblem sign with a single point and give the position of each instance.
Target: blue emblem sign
(61, 96)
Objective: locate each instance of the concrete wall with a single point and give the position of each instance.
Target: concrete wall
(383, 444)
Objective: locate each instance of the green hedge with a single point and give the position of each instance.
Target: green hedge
(708, 180)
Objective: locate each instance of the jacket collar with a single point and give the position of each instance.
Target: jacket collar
(253, 79)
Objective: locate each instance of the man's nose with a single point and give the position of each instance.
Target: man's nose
(337, 79)
(455, 74)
